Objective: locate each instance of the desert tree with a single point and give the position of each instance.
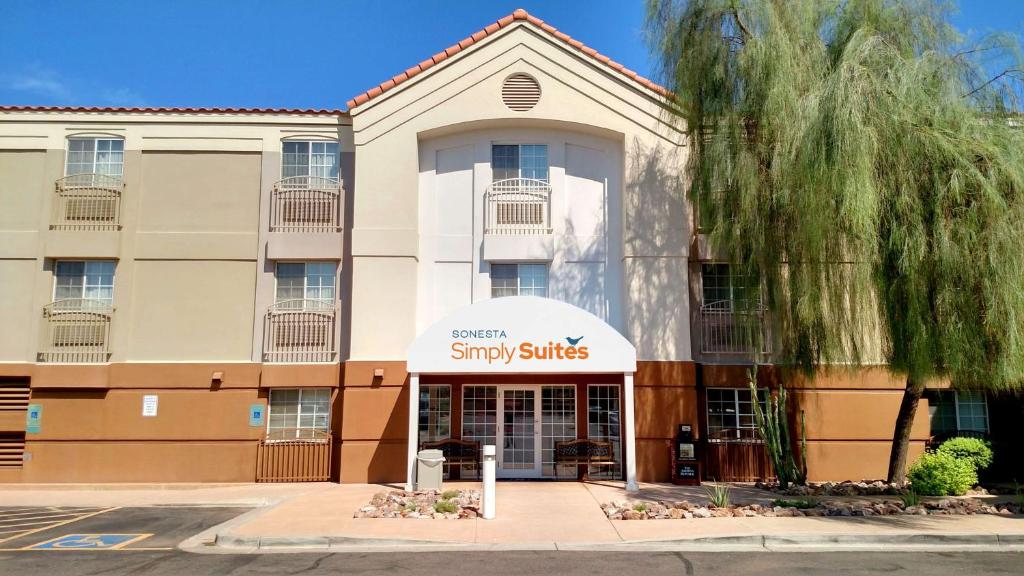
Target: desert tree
(864, 161)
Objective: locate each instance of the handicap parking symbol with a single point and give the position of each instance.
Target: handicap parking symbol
(89, 542)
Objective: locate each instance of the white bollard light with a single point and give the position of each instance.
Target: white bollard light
(488, 497)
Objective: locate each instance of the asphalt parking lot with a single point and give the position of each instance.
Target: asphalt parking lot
(59, 528)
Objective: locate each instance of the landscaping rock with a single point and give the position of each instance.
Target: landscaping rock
(421, 505)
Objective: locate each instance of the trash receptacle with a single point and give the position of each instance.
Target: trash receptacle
(429, 469)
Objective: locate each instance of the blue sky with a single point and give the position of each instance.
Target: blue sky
(298, 54)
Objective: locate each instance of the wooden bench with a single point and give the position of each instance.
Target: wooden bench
(456, 451)
(585, 452)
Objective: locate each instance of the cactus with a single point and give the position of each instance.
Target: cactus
(773, 427)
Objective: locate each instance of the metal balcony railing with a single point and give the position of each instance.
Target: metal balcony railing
(726, 330)
(299, 331)
(306, 204)
(88, 202)
(518, 206)
(76, 331)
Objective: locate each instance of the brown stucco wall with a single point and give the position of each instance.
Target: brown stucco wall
(665, 396)
(850, 416)
(93, 430)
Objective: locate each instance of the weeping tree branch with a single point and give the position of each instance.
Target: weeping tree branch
(1007, 72)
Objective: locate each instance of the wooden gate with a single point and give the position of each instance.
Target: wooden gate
(736, 462)
(305, 459)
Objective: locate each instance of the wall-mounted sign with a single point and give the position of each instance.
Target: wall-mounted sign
(520, 334)
(257, 414)
(149, 405)
(34, 419)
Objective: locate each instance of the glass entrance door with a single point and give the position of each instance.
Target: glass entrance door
(518, 433)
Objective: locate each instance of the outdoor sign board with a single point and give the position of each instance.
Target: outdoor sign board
(257, 415)
(521, 334)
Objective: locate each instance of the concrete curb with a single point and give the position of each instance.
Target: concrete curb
(226, 542)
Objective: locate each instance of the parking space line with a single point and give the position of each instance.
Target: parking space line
(33, 519)
(57, 524)
(49, 510)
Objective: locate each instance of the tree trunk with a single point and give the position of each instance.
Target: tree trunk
(901, 436)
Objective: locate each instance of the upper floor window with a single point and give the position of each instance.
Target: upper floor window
(954, 411)
(519, 280)
(721, 283)
(317, 159)
(95, 156)
(84, 280)
(306, 284)
(519, 161)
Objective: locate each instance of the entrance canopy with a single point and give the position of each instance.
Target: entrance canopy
(521, 334)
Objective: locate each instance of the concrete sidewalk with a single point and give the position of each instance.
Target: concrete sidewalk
(530, 516)
(555, 515)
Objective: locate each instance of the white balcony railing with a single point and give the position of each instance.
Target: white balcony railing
(298, 331)
(88, 202)
(76, 331)
(518, 206)
(306, 204)
(726, 330)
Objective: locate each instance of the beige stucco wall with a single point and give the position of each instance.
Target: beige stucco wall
(16, 309)
(463, 94)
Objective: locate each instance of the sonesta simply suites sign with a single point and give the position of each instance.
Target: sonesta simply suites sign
(521, 334)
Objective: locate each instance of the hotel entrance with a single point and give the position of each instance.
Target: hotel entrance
(548, 384)
(525, 422)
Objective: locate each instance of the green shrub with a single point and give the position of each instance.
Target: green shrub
(446, 506)
(976, 450)
(449, 494)
(940, 474)
(718, 495)
(802, 504)
(641, 507)
(911, 498)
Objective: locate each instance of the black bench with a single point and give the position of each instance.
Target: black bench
(456, 451)
(589, 452)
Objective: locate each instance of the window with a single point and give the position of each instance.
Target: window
(84, 280)
(952, 412)
(302, 285)
(318, 159)
(435, 412)
(721, 284)
(302, 413)
(519, 161)
(558, 423)
(95, 156)
(603, 424)
(731, 414)
(519, 280)
(479, 416)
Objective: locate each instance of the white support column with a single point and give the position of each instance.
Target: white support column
(414, 429)
(627, 407)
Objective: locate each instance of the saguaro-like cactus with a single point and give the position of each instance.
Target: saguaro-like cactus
(773, 426)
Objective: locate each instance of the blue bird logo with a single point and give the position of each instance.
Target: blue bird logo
(573, 341)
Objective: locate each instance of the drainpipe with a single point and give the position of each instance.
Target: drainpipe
(627, 391)
(414, 430)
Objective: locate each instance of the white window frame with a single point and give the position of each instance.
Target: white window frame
(95, 153)
(761, 397)
(309, 158)
(956, 407)
(519, 278)
(305, 282)
(85, 275)
(298, 414)
(519, 165)
(733, 296)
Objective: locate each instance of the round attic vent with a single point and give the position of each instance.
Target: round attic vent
(520, 92)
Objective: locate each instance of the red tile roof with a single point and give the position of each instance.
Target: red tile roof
(172, 110)
(519, 14)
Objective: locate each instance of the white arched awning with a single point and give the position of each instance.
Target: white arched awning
(521, 334)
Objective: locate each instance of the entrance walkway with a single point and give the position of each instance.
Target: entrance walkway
(554, 514)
